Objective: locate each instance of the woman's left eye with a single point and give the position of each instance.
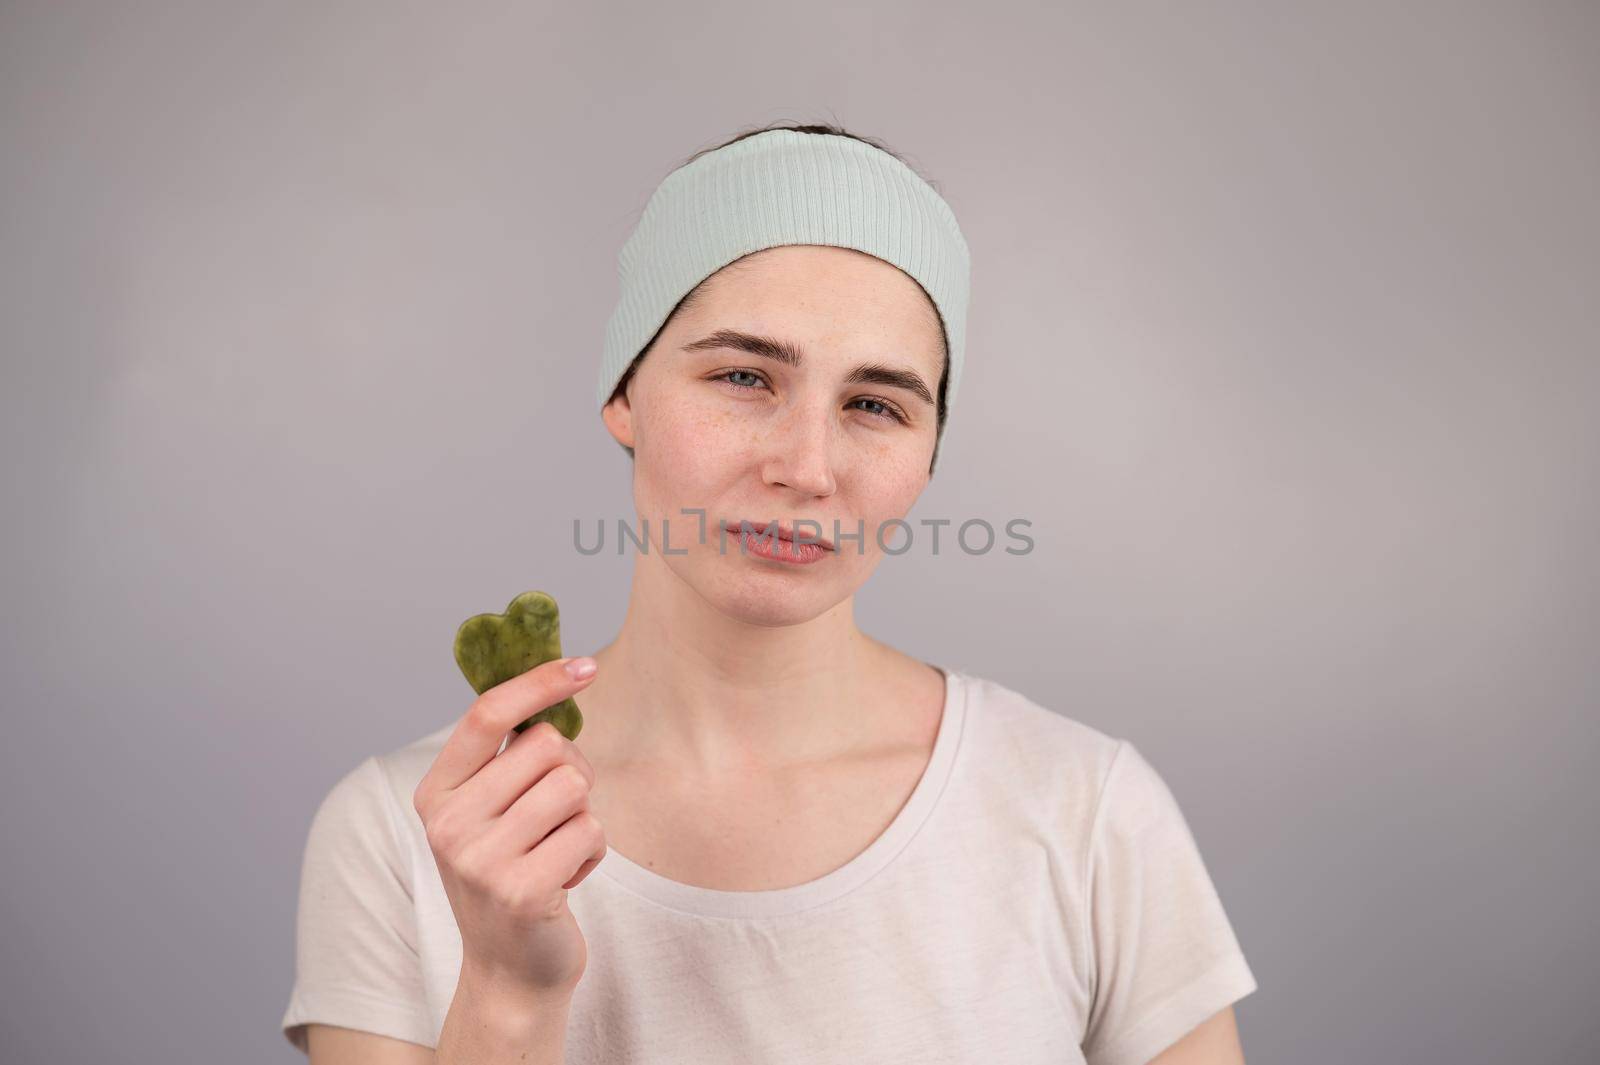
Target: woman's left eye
(885, 410)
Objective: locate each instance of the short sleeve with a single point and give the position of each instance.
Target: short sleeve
(1164, 957)
(356, 960)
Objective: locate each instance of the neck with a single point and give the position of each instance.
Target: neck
(716, 697)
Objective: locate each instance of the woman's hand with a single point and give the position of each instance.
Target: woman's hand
(512, 833)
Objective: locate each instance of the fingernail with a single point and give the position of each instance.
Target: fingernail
(581, 668)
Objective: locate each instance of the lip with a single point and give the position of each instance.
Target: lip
(785, 532)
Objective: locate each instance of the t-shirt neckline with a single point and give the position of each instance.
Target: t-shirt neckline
(709, 902)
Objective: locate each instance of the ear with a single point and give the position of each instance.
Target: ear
(618, 416)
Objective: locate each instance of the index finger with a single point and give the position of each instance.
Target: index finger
(478, 735)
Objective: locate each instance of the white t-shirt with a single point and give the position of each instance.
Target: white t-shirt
(1038, 899)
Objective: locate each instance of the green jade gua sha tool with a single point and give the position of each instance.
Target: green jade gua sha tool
(493, 648)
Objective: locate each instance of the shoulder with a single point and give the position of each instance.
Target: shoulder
(1053, 760)
(1022, 716)
(404, 766)
(374, 796)
(1055, 754)
(399, 770)
(1003, 716)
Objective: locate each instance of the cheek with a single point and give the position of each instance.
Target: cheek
(681, 425)
(895, 467)
(889, 485)
(682, 443)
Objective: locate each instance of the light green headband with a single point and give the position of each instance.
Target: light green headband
(785, 187)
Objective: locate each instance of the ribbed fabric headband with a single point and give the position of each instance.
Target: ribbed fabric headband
(785, 187)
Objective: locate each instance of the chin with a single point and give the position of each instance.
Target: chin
(768, 600)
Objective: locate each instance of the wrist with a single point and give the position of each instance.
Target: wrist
(491, 988)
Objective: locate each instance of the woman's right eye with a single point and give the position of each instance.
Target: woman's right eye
(740, 373)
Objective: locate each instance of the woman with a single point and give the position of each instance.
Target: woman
(808, 846)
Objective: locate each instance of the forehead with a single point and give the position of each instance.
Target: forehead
(824, 292)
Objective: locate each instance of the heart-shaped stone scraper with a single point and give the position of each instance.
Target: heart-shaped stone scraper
(493, 648)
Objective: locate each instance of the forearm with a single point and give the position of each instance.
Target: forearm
(488, 1025)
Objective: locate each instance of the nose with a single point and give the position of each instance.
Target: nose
(800, 452)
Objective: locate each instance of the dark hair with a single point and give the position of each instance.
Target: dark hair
(695, 294)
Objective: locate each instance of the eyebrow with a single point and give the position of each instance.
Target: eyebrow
(791, 354)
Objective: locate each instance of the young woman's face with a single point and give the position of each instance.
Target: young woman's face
(743, 435)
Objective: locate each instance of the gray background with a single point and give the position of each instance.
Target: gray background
(1283, 335)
